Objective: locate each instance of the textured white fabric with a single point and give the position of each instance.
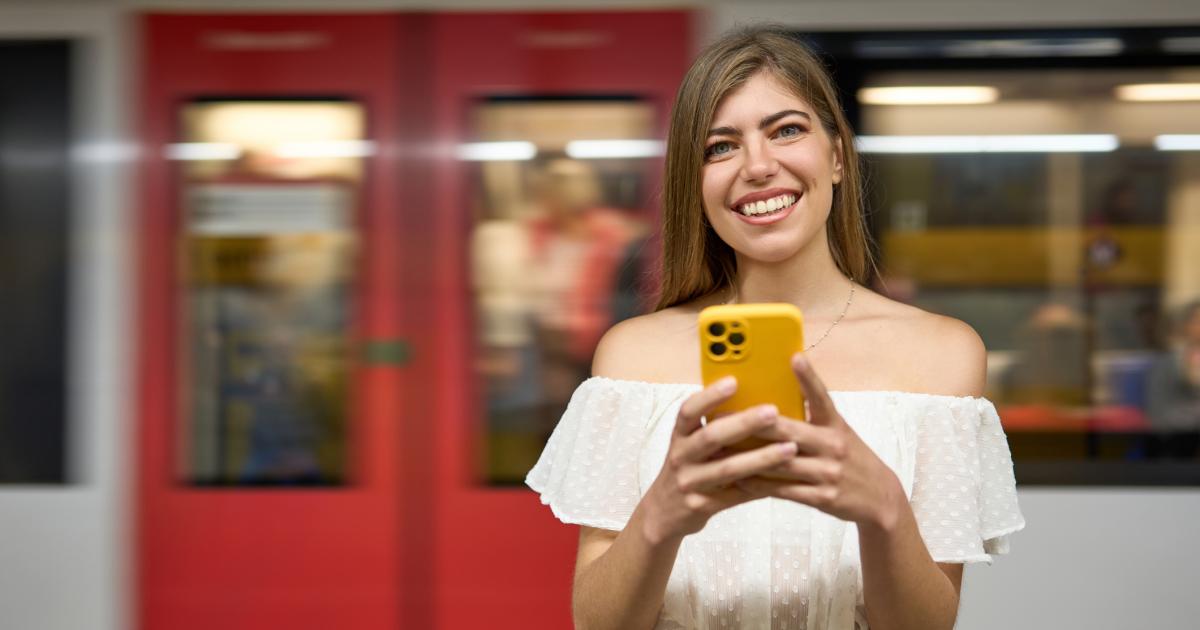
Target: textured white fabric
(773, 563)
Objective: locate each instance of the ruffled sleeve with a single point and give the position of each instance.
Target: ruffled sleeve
(964, 494)
(588, 472)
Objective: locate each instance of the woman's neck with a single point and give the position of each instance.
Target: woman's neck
(810, 280)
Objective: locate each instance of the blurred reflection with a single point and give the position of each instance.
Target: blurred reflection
(556, 260)
(1062, 256)
(1174, 390)
(576, 246)
(1052, 363)
(271, 242)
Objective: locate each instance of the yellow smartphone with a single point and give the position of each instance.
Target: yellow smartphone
(753, 343)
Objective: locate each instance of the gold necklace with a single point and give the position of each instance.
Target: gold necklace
(733, 299)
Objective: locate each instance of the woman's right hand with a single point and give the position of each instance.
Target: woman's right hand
(697, 477)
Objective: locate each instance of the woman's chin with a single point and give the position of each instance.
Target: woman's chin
(765, 252)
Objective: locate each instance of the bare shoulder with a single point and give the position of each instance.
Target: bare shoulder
(958, 360)
(648, 347)
(938, 354)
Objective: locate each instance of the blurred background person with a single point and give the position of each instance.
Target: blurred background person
(1173, 390)
(577, 245)
(1052, 362)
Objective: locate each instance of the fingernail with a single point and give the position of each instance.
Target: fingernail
(799, 362)
(726, 385)
(769, 411)
(787, 448)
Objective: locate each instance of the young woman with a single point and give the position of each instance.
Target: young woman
(869, 510)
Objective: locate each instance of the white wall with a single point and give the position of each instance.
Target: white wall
(63, 555)
(1094, 559)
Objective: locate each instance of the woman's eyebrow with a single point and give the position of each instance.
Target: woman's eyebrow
(762, 124)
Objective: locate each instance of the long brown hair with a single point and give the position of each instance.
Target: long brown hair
(696, 261)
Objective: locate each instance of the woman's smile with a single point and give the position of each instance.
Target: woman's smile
(768, 206)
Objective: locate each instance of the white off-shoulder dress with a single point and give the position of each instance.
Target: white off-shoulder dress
(772, 563)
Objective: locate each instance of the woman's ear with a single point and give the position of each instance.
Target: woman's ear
(837, 160)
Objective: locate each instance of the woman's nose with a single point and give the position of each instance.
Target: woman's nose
(760, 162)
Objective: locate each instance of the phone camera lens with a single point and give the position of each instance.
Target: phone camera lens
(736, 338)
(717, 348)
(716, 329)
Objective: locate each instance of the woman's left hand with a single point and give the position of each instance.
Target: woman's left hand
(834, 470)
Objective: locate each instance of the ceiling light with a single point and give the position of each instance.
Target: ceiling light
(203, 151)
(593, 149)
(1088, 143)
(1177, 142)
(496, 151)
(931, 95)
(1180, 45)
(326, 149)
(1159, 92)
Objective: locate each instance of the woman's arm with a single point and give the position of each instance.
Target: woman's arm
(621, 578)
(903, 587)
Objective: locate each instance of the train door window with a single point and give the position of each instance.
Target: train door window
(269, 192)
(559, 219)
(35, 228)
(1054, 211)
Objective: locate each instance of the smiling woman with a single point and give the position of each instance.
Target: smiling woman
(698, 261)
(861, 516)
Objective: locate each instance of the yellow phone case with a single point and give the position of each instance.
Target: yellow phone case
(754, 343)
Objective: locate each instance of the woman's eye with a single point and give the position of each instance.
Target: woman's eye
(790, 131)
(717, 149)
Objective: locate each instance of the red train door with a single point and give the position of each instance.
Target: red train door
(542, 216)
(268, 455)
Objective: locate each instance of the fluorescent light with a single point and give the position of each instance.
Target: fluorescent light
(1177, 142)
(988, 144)
(104, 151)
(1180, 45)
(1036, 47)
(203, 151)
(1159, 92)
(985, 48)
(326, 149)
(590, 149)
(931, 95)
(496, 151)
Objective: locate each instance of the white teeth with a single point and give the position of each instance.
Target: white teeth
(770, 205)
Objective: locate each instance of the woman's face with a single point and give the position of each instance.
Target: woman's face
(769, 170)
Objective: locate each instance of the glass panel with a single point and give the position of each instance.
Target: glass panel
(1050, 217)
(269, 196)
(34, 261)
(559, 225)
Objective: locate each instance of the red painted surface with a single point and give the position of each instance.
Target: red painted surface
(501, 558)
(418, 542)
(261, 558)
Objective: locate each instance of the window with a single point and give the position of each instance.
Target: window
(269, 193)
(1025, 183)
(557, 244)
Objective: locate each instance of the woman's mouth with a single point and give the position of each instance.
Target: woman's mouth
(767, 210)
